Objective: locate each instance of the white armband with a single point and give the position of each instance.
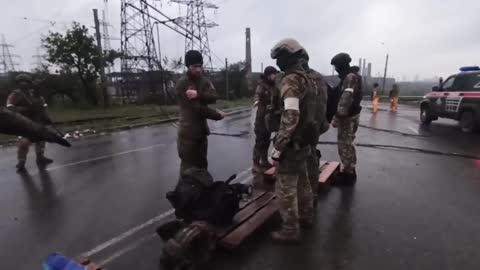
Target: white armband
(10, 105)
(275, 154)
(349, 90)
(291, 103)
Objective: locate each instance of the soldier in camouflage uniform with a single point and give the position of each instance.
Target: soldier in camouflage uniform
(28, 102)
(292, 143)
(264, 94)
(313, 162)
(195, 92)
(347, 116)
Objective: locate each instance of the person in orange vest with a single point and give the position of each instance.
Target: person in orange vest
(394, 93)
(375, 97)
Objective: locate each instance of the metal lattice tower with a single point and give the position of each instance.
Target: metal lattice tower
(137, 40)
(6, 57)
(198, 26)
(39, 58)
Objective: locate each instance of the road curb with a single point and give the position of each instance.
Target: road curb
(229, 112)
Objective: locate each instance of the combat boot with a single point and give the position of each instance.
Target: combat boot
(43, 161)
(286, 237)
(345, 179)
(21, 166)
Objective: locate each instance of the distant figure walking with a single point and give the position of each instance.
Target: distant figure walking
(375, 97)
(394, 93)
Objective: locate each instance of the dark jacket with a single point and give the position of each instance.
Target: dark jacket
(194, 113)
(29, 105)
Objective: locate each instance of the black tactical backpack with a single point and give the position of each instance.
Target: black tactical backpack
(197, 198)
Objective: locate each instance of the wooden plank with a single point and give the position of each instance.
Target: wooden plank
(246, 213)
(327, 171)
(236, 237)
(256, 194)
(322, 163)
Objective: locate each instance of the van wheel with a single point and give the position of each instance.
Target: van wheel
(467, 122)
(425, 115)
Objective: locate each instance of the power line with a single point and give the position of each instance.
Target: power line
(197, 24)
(6, 57)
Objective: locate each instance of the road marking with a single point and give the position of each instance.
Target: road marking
(128, 233)
(138, 228)
(414, 130)
(105, 157)
(125, 250)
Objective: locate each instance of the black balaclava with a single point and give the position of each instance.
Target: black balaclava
(286, 60)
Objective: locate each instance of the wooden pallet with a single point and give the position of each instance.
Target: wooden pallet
(328, 169)
(254, 213)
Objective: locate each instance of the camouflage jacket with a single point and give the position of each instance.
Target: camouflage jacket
(351, 96)
(264, 96)
(293, 89)
(194, 113)
(28, 104)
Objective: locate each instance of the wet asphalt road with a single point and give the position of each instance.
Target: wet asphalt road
(105, 196)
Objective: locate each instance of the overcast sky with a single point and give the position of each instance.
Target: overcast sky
(423, 37)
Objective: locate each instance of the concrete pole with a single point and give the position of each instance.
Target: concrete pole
(103, 77)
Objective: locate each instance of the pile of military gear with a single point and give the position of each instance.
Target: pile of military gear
(201, 205)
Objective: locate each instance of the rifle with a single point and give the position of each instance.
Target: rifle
(12, 123)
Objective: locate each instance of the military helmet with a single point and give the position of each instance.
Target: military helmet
(341, 59)
(23, 78)
(289, 45)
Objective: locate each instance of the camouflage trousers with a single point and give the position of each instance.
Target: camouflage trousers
(313, 167)
(192, 153)
(23, 146)
(262, 142)
(347, 127)
(294, 195)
